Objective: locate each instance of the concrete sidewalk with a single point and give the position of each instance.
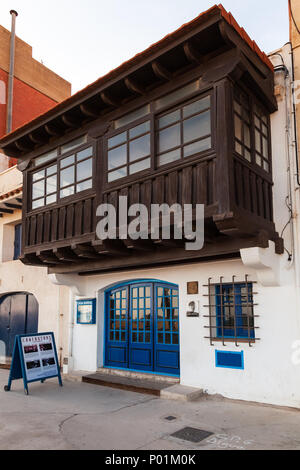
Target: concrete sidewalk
(82, 416)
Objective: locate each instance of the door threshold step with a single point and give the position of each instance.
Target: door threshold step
(138, 385)
(139, 375)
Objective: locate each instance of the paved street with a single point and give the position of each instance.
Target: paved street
(82, 416)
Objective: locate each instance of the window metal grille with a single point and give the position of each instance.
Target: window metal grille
(231, 312)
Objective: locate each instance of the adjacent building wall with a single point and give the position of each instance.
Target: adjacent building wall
(295, 41)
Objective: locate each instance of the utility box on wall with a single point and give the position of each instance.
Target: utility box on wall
(86, 312)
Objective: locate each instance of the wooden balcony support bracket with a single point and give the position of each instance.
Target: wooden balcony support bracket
(70, 122)
(30, 259)
(48, 257)
(84, 251)
(109, 100)
(161, 72)
(36, 138)
(53, 130)
(134, 87)
(110, 247)
(65, 255)
(139, 245)
(191, 53)
(89, 111)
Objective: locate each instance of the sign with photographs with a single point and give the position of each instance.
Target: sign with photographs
(86, 312)
(34, 359)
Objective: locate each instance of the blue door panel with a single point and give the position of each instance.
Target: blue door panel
(142, 327)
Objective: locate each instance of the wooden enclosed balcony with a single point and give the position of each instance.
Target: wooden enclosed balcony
(185, 122)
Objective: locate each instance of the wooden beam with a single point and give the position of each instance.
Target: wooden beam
(84, 251)
(65, 254)
(35, 139)
(191, 53)
(12, 206)
(6, 211)
(140, 245)
(23, 148)
(160, 71)
(108, 99)
(89, 111)
(110, 247)
(31, 259)
(48, 257)
(134, 87)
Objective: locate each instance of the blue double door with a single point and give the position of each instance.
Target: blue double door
(142, 327)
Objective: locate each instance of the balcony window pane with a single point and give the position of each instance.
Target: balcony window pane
(265, 148)
(238, 148)
(52, 170)
(169, 138)
(47, 157)
(196, 107)
(237, 108)
(85, 154)
(238, 128)
(169, 157)
(140, 166)
(51, 199)
(38, 175)
(257, 141)
(85, 170)
(38, 203)
(169, 119)
(196, 127)
(117, 157)
(67, 177)
(128, 118)
(117, 140)
(51, 184)
(73, 144)
(247, 139)
(139, 130)
(115, 175)
(67, 192)
(176, 95)
(197, 147)
(84, 186)
(67, 161)
(38, 189)
(139, 148)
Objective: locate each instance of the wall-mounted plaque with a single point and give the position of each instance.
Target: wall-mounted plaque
(193, 309)
(86, 312)
(193, 288)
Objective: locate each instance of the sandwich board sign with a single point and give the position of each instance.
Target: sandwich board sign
(34, 360)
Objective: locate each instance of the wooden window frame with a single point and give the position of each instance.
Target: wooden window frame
(57, 161)
(152, 117)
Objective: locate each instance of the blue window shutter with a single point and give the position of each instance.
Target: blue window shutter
(18, 241)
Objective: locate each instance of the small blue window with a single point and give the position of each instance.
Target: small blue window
(18, 241)
(234, 311)
(230, 360)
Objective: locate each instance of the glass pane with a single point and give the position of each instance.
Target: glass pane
(238, 128)
(117, 157)
(45, 158)
(257, 141)
(51, 185)
(52, 170)
(67, 161)
(67, 177)
(67, 192)
(237, 107)
(115, 175)
(139, 148)
(38, 203)
(38, 175)
(38, 189)
(258, 160)
(74, 143)
(169, 119)
(196, 107)
(85, 154)
(266, 166)
(139, 130)
(247, 155)
(84, 186)
(200, 146)
(265, 148)
(247, 140)
(117, 140)
(196, 127)
(51, 199)
(169, 138)
(140, 166)
(169, 157)
(85, 170)
(139, 113)
(176, 95)
(238, 148)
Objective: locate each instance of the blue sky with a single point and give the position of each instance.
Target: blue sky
(82, 40)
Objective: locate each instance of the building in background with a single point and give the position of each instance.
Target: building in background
(28, 300)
